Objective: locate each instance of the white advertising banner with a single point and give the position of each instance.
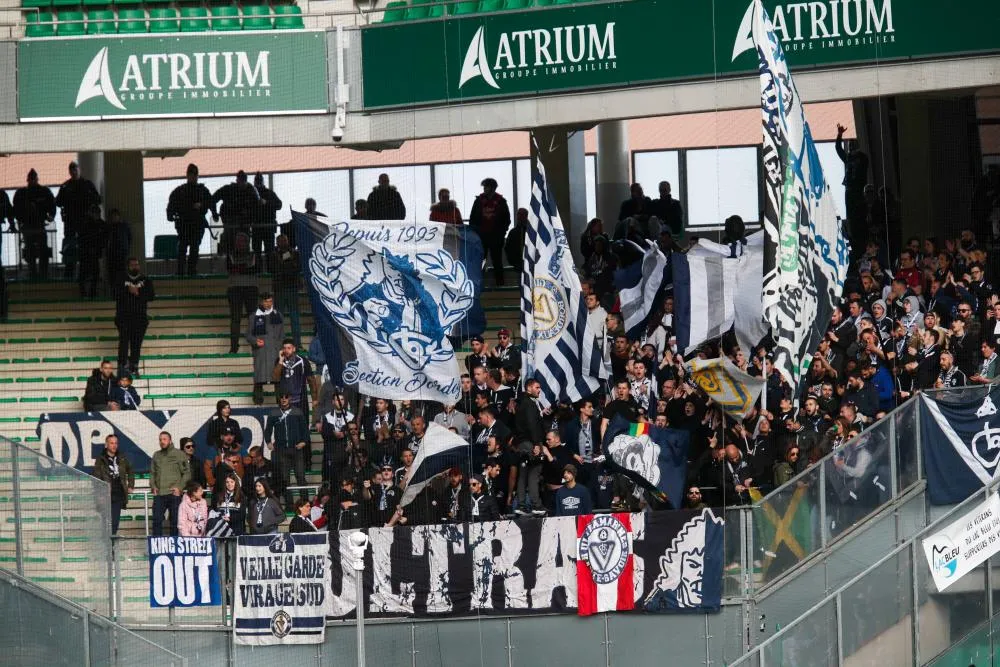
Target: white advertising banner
(964, 545)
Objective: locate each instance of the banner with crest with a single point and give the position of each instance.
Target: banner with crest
(960, 439)
(391, 301)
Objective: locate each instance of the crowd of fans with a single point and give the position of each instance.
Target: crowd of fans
(922, 317)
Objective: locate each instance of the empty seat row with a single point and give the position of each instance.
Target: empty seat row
(401, 10)
(163, 19)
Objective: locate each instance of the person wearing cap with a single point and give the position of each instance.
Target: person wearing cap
(490, 218)
(480, 505)
(385, 497)
(264, 217)
(187, 206)
(34, 205)
(227, 460)
(287, 435)
(571, 498)
(76, 199)
(479, 355)
(503, 351)
(239, 203)
(455, 498)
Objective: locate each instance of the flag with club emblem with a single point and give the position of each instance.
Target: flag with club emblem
(806, 254)
(561, 350)
(727, 385)
(604, 572)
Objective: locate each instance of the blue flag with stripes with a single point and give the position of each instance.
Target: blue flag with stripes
(560, 350)
(440, 450)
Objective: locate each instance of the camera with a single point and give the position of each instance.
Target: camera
(337, 133)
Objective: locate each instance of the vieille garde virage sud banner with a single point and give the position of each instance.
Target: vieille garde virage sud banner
(530, 566)
(77, 438)
(622, 44)
(209, 74)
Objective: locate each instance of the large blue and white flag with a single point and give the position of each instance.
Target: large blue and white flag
(806, 254)
(440, 450)
(960, 439)
(389, 299)
(641, 287)
(561, 351)
(655, 458)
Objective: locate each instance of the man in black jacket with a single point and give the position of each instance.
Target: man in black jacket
(669, 211)
(265, 218)
(34, 205)
(490, 218)
(187, 207)
(530, 438)
(132, 297)
(77, 197)
(384, 201)
(99, 385)
(287, 434)
(239, 204)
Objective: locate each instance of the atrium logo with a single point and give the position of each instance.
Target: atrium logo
(830, 24)
(543, 52)
(149, 77)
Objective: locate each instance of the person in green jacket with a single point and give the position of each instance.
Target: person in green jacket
(785, 470)
(169, 474)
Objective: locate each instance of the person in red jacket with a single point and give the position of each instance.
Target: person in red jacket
(445, 210)
(490, 218)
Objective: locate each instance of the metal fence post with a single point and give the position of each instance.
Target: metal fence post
(822, 507)
(86, 639)
(915, 602)
(893, 457)
(18, 532)
(839, 609)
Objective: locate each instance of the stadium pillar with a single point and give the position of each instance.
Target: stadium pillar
(561, 151)
(118, 177)
(612, 170)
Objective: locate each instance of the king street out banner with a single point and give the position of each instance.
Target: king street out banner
(965, 544)
(77, 438)
(391, 299)
(183, 572)
(282, 589)
(960, 439)
(530, 566)
(241, 74)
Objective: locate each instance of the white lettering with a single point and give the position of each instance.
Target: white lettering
(503, 53)
(486, 567)
(797, 8)
(542, 41)
(780, 25)
(599, 49)
(179, 66)
(259, 71)
(877, 20)
(817, 11)
(580, 44)
(848, 28)
(213, 69)
(154, 60)
(133, 73)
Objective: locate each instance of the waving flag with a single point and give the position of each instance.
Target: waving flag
(641, 287)
(440, 450)
(562, 351)
(654, 458)
(806, 254)
(389, 298)
(727, 385)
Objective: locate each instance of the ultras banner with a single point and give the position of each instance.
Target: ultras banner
(528, 566)
(77, 438)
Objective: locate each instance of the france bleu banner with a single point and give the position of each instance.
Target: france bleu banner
(655, 458)
(960, 439)
(530, 566)
(183, 572)
(281, 591)
(77, 438)
(390, 300)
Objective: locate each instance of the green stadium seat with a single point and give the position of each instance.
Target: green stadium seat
(40, 25)
(225, 17)
(127, 2)
(134, 21)
(288, 17)
(490, 6)
(95, 3)
(395, 11)
(194, 19)
(437, 11)
(416, 13)
(164, 246)
(514, 5)
(35, 4)
(459, 8)
(65, 3)
(101, 21)
(163, 19)
(256, 17)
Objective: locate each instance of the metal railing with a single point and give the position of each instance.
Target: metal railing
(879, 612)
(46, 628)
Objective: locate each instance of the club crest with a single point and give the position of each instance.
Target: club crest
(281, 624)
(987, 409)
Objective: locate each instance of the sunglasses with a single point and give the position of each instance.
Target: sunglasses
(503, 336)
(188, 447)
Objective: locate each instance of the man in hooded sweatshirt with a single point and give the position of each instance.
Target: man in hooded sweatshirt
(265, 333)
(384, 202)
(116, 470)
(97, 395)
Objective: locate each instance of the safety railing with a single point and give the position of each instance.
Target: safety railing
(890, 613)
(55, 525)
(45, 628)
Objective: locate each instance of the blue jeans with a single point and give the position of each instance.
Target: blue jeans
(162, 505)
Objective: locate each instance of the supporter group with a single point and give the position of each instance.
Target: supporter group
(916, 315)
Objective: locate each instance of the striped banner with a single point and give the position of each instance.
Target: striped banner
(705, 286)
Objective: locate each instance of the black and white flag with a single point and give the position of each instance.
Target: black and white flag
(806, 254)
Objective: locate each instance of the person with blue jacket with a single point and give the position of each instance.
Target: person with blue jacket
(287, 435)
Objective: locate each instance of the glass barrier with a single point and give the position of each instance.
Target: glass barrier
(787, 526)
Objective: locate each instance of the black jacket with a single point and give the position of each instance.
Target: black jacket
(528, 421)
(33, 205)
(219, 426)
(478, 508)
(76, 198)
(131, 307)
(98, 391)
(300, 525)
(239, 203)
(125, 479)
(490, 218)
(669, 210)
(385, 203)
(571, 434)
(182, 209)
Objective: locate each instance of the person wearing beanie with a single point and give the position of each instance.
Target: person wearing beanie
(572, 499)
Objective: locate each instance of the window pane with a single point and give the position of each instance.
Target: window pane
(463, 180)
(720, 183)
(833, 169)
(330, 189)
(653, 167)
(155, 196)
(523, 183)
(591, 163)
(412, 182)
